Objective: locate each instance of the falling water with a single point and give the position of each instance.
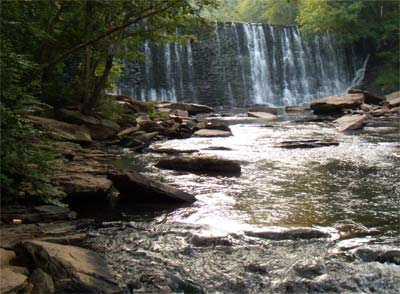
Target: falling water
(359, 77)
(241, 64)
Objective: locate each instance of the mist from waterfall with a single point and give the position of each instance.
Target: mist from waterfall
(239, 64)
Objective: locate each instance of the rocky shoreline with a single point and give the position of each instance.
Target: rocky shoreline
(41, 246)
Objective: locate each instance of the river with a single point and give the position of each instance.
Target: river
(350, 191)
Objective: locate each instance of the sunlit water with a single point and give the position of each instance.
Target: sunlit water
(353, 185)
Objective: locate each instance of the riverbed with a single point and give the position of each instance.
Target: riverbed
(350, 192)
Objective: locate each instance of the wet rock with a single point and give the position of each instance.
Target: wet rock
(133, 143)
(150, 282)
(289, 234)
(201, 164)
(11, 235)
(36, 214)
(318, 118)
(136, 187)
(6, 257)
(307, 144)
(263, 108)
(179, 285)
(11, 281)
(337, 104)
(263, 115)
(221, 148)
(69, 132)
(211, 133)
(191, 108)
(256, 268)
(369, 97)
(207, 241)
(73, 269)
(351, 122)
(380, 254)
(43, 282)
(295, 108)
(146, 137)
(171, 151)
(212, 126)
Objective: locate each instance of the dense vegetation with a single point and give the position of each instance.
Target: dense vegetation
(64, 52)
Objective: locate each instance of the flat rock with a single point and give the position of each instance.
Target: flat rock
(73, 269)
(263, 108)
(201, 164)
(211, 133)
(369, 97)
(394, 102)
(11, 281)
(351, 122)
(191, 108)
(295, 108)
(336, 104)
(69, 132)
(36, 214)
(289, 234)
(307, 144)
(171, 151)
(127, 131)
(76, 117)
(82, 183)
(263, 115)
(6, 256)
(136, 187)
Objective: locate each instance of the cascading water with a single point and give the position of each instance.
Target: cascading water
(239, 64)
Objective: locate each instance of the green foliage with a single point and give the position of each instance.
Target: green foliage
(154, 114)
(109, 108)
(388, 78)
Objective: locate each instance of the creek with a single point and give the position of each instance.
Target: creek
(349, 191)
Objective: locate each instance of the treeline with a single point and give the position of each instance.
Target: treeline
(373, 22)
(64, 53)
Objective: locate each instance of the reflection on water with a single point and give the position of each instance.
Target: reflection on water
(357, 180)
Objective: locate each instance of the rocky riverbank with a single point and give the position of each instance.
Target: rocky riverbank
(45, 254)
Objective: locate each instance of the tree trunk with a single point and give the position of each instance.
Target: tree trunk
(88, 54)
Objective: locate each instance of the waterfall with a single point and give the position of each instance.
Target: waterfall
(238, 64)
(359, 76)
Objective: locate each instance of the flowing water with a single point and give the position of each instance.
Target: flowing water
(350, 191)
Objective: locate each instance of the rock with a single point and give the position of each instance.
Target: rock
(379, 112)
(217, 126)
(6, 257)
(171, 151)
(289, 234)
(394, 102)
(146, 137)
(369, 97)
(11, 281)
(351, 122)
(67, 131)
(378, 253)
(136, 106)
(201, 164)
(100, 132)
(127, 131)
(263, 108)
(366, 107)
(11, 235)
(136, 187)
(191, 108)
(307, 144)
(295, 108)
(218, 148)
(336, 104)
(43, 283)
(84, 183)
(76, 117)
(263, 115)
(134, 144)
(74, 269)
(393, 95)
(211, 133)
(110, 124)
(36, 213)
(207, 241)
(150, 126)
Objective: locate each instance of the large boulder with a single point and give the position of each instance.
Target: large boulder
(337, 104)
(201, 164)
(69, 132)
(369, 97)
(351, 122)
(139, 188)
(191, 108)
(263, 115)
(74, 269)
(12, 281)
(84, 183)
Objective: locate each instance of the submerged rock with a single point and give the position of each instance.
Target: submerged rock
(379, 253)
(307, 144)
(201, 164)
(136, 187)
(351, 122)
(74, 269)
(211, 133)
(263, 115)
(289, 234)
(337, 104)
